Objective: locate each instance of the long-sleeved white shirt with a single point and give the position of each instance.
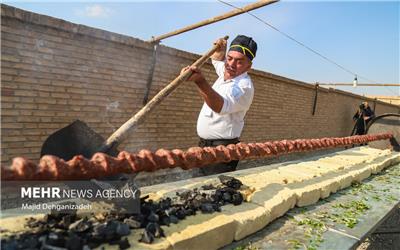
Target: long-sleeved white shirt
(238, 95)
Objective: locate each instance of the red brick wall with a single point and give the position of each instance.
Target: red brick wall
(54, 72)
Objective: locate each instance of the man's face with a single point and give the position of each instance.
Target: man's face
(236, 64)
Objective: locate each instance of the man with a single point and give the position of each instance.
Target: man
(362, 117)
(221, 118)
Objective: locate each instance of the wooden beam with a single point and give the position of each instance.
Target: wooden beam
(362, 84)
(232, 13)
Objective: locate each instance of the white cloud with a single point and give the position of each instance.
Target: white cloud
(95, 11)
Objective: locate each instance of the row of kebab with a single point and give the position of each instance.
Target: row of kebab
(102, 165)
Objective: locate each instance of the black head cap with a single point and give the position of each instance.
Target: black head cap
(245, 45)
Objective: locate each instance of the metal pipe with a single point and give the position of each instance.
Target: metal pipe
(151, 73)
(315, 98)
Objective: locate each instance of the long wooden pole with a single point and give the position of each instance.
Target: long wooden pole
(118, 136)
(362, 84)
(232, 13)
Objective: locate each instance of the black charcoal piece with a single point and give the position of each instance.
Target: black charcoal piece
(122, 229)
(173, 219)
(165, 203)
(155, 230)
(80, 225)
(132, 223)
(227, 197)
(237, 199)
(55, 239)
(153, 217)
(73, 242)
(9, 245)
(151, 228)
(66, 221)
(165, 220)
(180, 214)
(208, 187)
(207, 208)
(230, 181)
(124, 244)
(147, 237)
(216, 207)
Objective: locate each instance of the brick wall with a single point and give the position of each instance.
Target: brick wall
(54, 72)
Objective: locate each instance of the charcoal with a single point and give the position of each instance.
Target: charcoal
(94, 243)
(195, 204)
(122, 229)
(49, 220)
(155, 230)
(208, 187)
(50, 247)
(139, 218)
(124, 244)
(216, 207)
(165, 220)
(180, 214)
(32, 222)
(73, 242)
(66, 221)
(113, 230)
(132, 223)
(171, 211)
(148, 206)
(237, 199)
(53, 242)
(27, 241)
(58, 214)
(228, 190)
(63, 230)
(106, 231)
(165, 203)
(153, 217)
(144, 198)
(185, 195)
(160, 232)
(9, 245)
(217, 196)
(230, 181)
(147, 237)
(56, 240)
(99, 230)
(227, 197)
(190, 211)
(86, 247)
(173, 219)
(151, 228)
(207, 208)
(81, 225)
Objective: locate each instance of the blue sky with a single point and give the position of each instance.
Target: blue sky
(362, 36)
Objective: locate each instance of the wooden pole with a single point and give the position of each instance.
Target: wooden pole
(232, 13)
(363, 84)
(118, 136)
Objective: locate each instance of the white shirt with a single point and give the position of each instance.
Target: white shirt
(237, 94)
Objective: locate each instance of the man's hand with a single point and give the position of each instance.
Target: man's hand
(219, 54)
(196, 76)
(209, 95)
